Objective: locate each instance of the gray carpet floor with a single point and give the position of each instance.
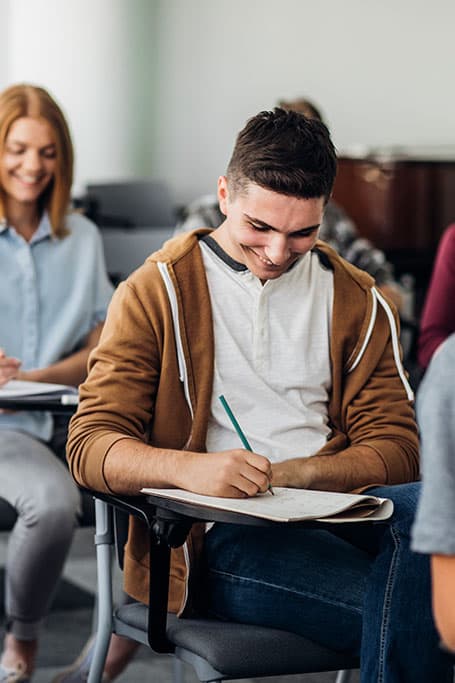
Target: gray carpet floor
(70, 623)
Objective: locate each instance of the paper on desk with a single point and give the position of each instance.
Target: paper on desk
(288, 505)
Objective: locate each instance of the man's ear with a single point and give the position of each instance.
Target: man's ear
(223, 194)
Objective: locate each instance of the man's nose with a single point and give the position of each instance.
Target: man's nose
(278, 250)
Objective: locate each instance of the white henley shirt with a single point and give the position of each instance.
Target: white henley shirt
(272, 355)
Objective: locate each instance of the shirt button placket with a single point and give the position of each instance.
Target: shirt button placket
(261, 331)
(30, 312)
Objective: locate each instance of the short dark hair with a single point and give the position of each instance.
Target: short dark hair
(285, 152)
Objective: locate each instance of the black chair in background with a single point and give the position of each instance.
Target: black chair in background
(129, 203)
(215, 649)
(8, 515)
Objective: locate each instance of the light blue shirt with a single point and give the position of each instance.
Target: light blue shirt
(53, 292)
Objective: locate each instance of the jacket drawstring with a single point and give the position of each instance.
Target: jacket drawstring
(377, 297)
(183, 372)
(395, 343)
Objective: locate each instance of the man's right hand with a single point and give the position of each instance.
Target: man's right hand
(9, 367)
(131, 465)
(228, 474)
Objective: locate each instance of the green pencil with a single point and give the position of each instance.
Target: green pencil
(238, 429)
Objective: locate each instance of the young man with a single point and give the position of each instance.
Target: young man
(305, 349)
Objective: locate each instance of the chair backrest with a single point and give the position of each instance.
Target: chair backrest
(8, 515)
(137, 203)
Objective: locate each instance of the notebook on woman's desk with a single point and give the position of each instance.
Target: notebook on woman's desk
(291, 505)
(23, 395)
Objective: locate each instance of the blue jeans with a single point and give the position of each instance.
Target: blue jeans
(352, 587)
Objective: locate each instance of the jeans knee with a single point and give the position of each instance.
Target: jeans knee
(405, 498)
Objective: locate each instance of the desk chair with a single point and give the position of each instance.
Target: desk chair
(216, 650)
(8, 515)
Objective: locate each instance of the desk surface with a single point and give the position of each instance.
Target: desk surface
(53, 405)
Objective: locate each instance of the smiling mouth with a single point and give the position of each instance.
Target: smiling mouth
(267, 261)
(28, 180)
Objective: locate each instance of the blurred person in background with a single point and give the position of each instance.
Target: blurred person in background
(434, 528)
(53, 302)
(438, 315)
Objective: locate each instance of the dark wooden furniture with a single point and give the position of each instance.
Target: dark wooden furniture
(402, 200)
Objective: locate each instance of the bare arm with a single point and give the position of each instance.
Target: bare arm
(131, 465)
(330, 472)
(71, 370)
(443, 574)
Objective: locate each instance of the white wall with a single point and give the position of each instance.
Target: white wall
(4, 44)
(161, 87)
(92, 56)
(381, 70)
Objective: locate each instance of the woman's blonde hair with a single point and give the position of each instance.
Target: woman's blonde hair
(22, 100)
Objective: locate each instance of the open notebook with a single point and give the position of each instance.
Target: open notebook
(19, 390)
(292, 505)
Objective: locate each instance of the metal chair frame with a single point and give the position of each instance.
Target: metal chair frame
(168, 523)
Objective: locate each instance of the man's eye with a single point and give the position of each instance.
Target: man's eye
(16, 150)
(259, 228)
(304, 233)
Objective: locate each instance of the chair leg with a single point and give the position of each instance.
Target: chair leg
(343, 676)
(104, 539)
(178, 674)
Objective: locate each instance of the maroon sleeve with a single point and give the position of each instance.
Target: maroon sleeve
(438, 316)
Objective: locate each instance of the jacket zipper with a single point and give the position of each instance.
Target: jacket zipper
(183, 376)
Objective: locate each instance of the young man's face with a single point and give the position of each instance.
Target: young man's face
(265, 230)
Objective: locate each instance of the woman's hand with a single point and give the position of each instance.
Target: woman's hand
(9, 368)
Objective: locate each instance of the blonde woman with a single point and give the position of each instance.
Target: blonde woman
(53, 298)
